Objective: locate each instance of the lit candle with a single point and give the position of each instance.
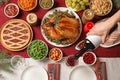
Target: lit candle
(88, 15)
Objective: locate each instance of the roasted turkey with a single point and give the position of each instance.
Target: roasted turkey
(62, 27)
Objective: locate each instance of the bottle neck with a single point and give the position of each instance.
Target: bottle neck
(88, 46)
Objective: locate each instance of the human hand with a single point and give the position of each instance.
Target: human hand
(114, 36)
(101, 29)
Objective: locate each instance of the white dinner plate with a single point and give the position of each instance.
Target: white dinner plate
(61, 9)
(82, 73)
(34, 73)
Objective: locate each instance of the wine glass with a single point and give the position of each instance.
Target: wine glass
(71, 61)
(18, 62)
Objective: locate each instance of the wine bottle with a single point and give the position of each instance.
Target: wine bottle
(90, 43)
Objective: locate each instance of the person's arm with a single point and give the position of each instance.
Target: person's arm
(102, 28)
(113, 20)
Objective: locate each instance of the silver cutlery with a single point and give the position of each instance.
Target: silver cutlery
(54, 71)
(51, 72)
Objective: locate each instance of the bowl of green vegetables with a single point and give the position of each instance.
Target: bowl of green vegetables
(77, 5)
(37, 50)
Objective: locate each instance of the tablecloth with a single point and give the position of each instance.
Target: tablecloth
(100, 52)
(112, 65)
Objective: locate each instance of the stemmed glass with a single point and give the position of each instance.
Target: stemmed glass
(18, 62)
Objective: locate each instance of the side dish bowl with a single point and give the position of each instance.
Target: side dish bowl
(37, 50)
(77, 5)
(101, 7)
(55, 54)
(46, 4)
(80, 45)
(11, 10)
(89, 58)
(27, 5)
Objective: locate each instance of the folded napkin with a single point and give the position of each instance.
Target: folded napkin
(100, 70)
(53, 69)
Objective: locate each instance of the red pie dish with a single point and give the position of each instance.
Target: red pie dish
(89, 58)
(11, 10)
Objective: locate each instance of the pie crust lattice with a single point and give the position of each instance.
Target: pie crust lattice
(16, 34)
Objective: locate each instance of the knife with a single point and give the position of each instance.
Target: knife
(54, 72)
(101, 70)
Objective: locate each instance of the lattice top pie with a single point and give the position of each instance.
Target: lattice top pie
(16, 34)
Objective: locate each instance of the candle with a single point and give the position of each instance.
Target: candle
(88, 15)
(88, 26)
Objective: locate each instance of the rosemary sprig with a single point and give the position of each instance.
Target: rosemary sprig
(116, 3)
(57, 20)
(4, 55)
(1, 2)
(5, 62)
(4, 1)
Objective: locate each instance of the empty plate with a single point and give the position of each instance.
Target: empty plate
(82, 73)
(34, 73)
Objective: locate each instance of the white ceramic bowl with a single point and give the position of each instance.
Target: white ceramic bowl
(89, 58)
(41, 4)
(55, 54)
(11, 10)
(101, 10)
(80, 45)
(25, 6)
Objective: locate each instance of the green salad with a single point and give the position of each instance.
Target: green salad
(38, 50)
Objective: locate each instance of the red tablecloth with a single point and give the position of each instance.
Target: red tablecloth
(100, 52)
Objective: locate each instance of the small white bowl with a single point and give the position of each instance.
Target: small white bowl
(52, 3)
(55, 54)
(9, 7)
(79, 45)
(89, 58)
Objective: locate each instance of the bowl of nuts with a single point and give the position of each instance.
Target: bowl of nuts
(101, 7)
(55, 54)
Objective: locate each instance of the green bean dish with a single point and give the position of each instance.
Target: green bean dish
(38, 50)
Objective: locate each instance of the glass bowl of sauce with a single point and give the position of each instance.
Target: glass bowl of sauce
(89, 58)
(71, 61)
(11, 10)
(80, 45)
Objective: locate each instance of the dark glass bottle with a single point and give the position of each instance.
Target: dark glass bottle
(90, 43)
